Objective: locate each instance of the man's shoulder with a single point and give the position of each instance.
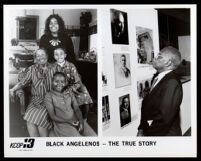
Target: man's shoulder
(171, 80)
(172, 76)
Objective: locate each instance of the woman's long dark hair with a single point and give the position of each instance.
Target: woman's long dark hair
(62, 29)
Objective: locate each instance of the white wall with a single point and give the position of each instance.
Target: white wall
(139, 17)
(184, 47)
(185, 107)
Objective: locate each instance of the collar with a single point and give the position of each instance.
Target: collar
(61, 94)
(61, 64)
(161, 75)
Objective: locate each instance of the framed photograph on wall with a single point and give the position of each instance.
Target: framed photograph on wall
(145, 47)
(105, 110)
(104, 71)
(104, 79)
(122, 70)
(124, 109)
(119, 27)
(143, 88)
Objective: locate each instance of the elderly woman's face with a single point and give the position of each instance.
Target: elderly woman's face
(54, 26)
(41, 57)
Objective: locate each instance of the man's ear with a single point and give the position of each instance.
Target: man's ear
(168, 63)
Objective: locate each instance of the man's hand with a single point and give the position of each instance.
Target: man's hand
(140, 133)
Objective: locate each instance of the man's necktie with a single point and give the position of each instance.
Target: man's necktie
(154, 81)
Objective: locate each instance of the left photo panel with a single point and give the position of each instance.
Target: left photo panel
(52, 72)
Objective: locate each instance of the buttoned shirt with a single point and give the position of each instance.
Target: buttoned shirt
(160, 76)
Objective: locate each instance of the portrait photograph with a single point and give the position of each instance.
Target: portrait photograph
(105, 110)
(44, 47)
(143, 88)
(62, 62)
(122, 70)
(124, 109)
(145, 48)
(119, 27)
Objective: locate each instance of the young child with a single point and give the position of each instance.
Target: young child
(39, 75)
(74, 82)
(63, 109)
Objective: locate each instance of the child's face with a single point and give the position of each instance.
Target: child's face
(41, 57)
(59, 55)
(59, 83)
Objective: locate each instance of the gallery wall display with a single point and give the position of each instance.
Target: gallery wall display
(125, 57)
(143, 88)
(122, 70)
(105, 110)
(119, 27)
(124, 109)
(145, 48)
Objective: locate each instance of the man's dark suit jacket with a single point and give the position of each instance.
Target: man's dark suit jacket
(162, 105)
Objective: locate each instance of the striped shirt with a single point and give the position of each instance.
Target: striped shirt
(40, 80)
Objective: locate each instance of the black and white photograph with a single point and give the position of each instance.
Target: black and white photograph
(104, 71)
(122, 70)
(124, 109)
(145, 47)
(99, 81)
(119, 27)
(53, 90)
(104, 79)
(105, 110)
(143, 88)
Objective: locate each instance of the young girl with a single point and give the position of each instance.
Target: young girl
(63, 109)
(74, 83)
(39, 75)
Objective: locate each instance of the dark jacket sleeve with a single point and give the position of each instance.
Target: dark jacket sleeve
(143, 124)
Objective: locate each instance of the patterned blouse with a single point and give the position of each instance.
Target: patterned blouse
(74, 82)
(71, 73)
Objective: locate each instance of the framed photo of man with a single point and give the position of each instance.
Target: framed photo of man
(124, 109)
(105, 110)
(122, 70)
(119, 27)
(145, 47)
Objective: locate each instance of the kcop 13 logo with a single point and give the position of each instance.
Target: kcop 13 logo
(28, 143)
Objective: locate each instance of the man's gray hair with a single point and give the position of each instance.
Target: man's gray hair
(175, 55)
